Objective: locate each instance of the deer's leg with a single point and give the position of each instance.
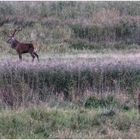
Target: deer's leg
(36, 56)
(20, 57)
(32, 56)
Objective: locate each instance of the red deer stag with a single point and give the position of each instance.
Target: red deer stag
(22, 47)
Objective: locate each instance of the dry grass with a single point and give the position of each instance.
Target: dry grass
(70, 75)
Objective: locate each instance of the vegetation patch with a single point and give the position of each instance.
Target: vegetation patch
(45, 122)
(88, 77)
(94, 102)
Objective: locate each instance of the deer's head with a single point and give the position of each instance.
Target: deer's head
(11, 40)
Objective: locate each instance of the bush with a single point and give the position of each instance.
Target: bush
(123, 123)
(94, 102)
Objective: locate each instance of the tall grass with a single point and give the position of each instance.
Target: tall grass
(67, 79)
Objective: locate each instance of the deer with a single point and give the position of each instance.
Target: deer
(20, 47)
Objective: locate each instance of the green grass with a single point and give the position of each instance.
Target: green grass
(67, 122)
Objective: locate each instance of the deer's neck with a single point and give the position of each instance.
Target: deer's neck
(14, 43)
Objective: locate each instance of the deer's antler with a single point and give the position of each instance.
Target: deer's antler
(16, 30)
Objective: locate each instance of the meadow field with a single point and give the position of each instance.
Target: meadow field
(87, 81)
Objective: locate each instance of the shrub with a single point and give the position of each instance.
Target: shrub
(100, 102)
(123, 123)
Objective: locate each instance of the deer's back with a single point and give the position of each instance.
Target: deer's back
(25, 48)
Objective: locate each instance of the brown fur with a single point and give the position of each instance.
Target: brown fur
(26, 48)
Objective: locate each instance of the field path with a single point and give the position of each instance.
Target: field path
(80, 59)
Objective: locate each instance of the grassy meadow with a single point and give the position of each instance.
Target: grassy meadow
(87, 82)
